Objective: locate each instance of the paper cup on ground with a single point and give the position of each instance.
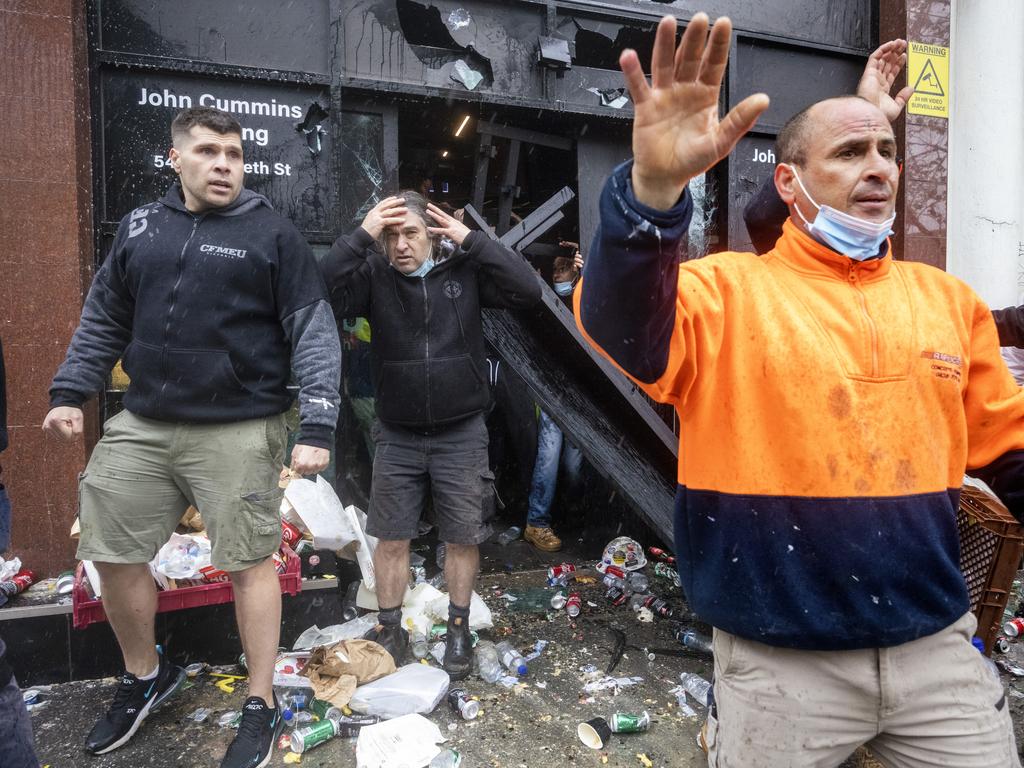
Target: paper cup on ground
(594, 733)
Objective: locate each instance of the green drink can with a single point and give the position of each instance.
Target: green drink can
(309, 736)
(324, 710)
(623, 722)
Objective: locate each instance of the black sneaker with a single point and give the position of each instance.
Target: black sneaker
(133, 702)
(257, 734)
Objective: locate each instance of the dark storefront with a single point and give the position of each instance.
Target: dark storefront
(497, 104)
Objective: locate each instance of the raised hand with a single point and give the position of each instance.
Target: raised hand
(676, 130)
(447, 225)
(881, 71)
(388, 212)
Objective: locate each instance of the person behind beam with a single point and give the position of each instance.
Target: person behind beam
(830, 400)
(423, 292)
(212, 300)
(553, 450)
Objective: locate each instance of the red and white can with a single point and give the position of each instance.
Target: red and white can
(614, 570)
(290, 534)
(1014, 627)
(574, 605)
(565, 569)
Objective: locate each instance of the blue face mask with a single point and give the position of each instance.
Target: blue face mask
(563, 289)
(851, 236)
(422, 269)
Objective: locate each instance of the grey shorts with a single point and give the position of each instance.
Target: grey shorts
(143, 474)
(451, 464)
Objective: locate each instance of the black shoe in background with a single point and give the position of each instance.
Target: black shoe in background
(257, 734)
(133, 702)
(458, 649)
(394, 639)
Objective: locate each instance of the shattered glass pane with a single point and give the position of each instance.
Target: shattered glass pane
(463, 73)
(458, 19)
(362, 166)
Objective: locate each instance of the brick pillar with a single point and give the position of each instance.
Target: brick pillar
(45, 259)
(921, 207)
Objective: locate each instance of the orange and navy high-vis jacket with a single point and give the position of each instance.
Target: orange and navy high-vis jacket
(828, 409)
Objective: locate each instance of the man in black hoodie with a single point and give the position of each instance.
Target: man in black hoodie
(423, 297)
(212, 301)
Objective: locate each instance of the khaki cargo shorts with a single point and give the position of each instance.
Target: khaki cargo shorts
(143, 474)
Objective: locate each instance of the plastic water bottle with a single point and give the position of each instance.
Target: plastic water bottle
(697, 687)
(638, 582)
(487, 661)
(691, 638)
(418, 643)
(511, 658)
(450, 758)
(506, 537)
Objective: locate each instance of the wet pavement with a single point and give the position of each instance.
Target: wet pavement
(532, 724)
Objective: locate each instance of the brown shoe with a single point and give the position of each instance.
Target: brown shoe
(543, 539)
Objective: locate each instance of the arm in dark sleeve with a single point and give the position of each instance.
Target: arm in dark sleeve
(627, 297)
(507, 281)
(1010, 324)
(347, 274)
(1005, 476)
(102, 334)
(764, 216)
(309, 326)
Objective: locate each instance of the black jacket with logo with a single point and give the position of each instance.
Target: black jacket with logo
(427, 354)
(212, 312)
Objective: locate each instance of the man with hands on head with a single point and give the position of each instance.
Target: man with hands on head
(212, 300)
(830, 400)
(421, 277)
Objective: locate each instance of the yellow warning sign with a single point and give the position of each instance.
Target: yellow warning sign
(928, 72)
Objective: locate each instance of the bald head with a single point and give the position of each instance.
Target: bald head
(791, 143)
(845, 152)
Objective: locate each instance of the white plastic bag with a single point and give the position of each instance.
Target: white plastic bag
(405, 742)
(479, 613)
(414, 688)
(333, 525)
(183, 556)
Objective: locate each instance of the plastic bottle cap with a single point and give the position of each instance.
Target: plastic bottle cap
(287, 715)
(522, 669)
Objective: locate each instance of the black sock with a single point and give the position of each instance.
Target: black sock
(457, 615)
(390, 616)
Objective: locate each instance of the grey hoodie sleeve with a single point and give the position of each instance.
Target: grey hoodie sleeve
(102, 334)
(316, 364)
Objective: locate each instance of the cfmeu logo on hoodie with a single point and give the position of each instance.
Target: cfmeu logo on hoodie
(227, 253)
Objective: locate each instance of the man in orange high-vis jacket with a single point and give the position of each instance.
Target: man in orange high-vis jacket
(830, 400)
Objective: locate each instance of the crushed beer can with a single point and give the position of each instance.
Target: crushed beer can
(574, 605)
(659, 607)
(309, 736)
(623, 722)
(558, 601)
(460, 702)
(617, 596)
(563, 570)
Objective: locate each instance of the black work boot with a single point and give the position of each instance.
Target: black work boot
(458, 648)
(393, 638)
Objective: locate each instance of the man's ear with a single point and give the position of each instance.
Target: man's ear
(785, 183)
(175, 157)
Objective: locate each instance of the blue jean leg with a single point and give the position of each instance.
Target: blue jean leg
(545, 472)
(16, 746)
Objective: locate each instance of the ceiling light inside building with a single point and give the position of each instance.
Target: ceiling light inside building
(458, 131)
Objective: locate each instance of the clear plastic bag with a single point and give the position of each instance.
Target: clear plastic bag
(414, 688)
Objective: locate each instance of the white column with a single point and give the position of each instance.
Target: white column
(985, 235)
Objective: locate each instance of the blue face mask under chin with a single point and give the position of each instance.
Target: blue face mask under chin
(422, 269)
(850, 235)
(563, 289)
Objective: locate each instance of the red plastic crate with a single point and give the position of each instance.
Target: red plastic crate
(86, 611)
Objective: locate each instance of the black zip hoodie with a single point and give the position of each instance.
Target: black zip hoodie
(427, 355)
(211, 313)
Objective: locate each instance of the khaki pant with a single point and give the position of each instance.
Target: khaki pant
(144, 473)
(930, 702)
